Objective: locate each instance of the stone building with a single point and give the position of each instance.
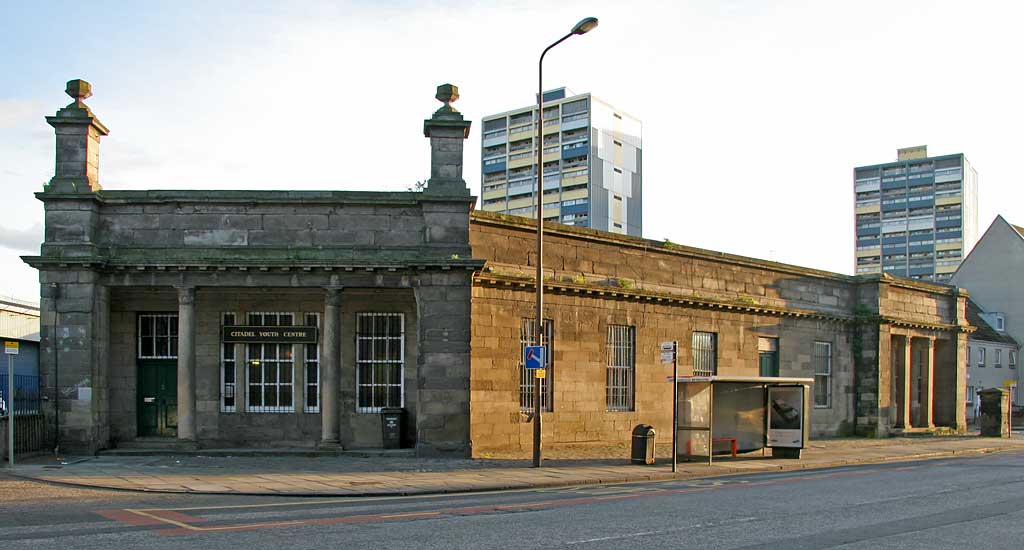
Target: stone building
(860, 338)
(141, 283)
(292, 318)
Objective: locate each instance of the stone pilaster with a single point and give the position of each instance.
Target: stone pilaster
(187, 365)
(443, 301)
(447, 131)
(74, 320)
(330, 369)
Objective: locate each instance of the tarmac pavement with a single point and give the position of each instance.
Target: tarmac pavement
(295, 473)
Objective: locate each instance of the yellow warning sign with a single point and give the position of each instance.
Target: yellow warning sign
(11, 348)
(541, 373)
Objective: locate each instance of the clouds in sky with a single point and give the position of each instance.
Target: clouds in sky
(754, 113)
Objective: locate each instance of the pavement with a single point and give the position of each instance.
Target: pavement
(294, 473)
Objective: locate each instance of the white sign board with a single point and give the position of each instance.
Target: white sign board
(786, 416)
(668, 352)
(11, 348)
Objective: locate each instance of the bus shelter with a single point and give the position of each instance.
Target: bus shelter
(747, 413)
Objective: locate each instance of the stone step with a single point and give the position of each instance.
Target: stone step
(162, 450)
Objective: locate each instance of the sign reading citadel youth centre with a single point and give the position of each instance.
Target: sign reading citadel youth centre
(268, 335)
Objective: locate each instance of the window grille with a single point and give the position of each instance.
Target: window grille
(380, 361)
(705, 353)
(271, 369)
(158, 336)
(312, 363)
(823, 374)
(527, 337)
(227, 369)
(621, 367)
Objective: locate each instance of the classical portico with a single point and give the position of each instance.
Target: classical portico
(145, 282)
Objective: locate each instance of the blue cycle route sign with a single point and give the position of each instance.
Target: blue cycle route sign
(533, 357)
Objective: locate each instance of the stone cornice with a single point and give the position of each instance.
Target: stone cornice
(381, 198)
(278, 265)
(903, 323)
(492, 280)
(524, 283)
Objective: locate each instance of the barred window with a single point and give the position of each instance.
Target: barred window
(527, 337)
(270, 372)
(621, 367)
(380, 356)
(705, 353)
(158, 336)
(312, 363)
(227, 369)
(823, 375)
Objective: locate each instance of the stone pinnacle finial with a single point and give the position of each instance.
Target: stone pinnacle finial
(79, 89)
(447, 94)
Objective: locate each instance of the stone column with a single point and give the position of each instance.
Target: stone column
(928, 384)
(905, 389)
(187, 364)
(330, 369)
(960, 392)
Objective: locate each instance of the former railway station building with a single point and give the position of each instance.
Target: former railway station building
(292, 318)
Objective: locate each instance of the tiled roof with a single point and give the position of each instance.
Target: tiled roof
(1018, 229)
(985, 331)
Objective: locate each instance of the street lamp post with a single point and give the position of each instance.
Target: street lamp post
(584, 26)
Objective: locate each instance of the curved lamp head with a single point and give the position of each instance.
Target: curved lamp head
(585, 26)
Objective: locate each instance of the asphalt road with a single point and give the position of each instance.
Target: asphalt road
(974, 503)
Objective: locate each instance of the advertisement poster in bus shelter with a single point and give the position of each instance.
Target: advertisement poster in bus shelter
(786, 416)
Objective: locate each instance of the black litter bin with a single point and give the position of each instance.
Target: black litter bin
(643, 445)
(392, 421)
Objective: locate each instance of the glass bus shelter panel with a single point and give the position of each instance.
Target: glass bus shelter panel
(740, 414)
(694, 419)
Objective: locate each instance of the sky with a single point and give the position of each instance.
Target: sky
(754, 112)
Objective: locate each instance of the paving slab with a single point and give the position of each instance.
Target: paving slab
(363, 474)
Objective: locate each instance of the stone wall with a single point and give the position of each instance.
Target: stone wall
(251, 221)
(666, 291)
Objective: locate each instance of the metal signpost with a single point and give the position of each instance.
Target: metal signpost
(533, 360)
(669, 354)
(10, 349)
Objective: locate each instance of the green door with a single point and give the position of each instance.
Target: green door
(158, 398)
(769, 363)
